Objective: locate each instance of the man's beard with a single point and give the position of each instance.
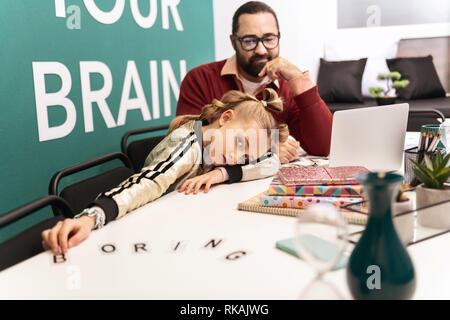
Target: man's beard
(252, 67)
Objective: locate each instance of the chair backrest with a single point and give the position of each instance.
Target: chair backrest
(138, 150)
(81, 193)
(29, 243)
(419, 117)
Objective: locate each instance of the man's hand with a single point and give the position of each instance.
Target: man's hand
(289, 150)
(57, 238)
(207, 179)
(280, 67)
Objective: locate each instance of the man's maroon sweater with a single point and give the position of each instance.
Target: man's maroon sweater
(307, 116)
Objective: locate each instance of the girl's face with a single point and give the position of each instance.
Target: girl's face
(235, 140)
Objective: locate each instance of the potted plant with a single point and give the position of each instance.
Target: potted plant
(404, 223)
(434, 175)
(393, 82)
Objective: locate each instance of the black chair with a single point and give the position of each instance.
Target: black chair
(138, 150)
(29, 242)
(81, 193)
(419, 117)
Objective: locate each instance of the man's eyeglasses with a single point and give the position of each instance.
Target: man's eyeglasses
(249, 43)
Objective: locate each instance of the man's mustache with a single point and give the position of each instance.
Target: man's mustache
(258, 57)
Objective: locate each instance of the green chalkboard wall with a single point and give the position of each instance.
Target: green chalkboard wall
(75, 75)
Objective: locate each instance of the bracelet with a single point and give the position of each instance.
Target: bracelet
(91, 212)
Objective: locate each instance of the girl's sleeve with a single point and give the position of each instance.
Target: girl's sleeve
(264, 167)
(173, 158)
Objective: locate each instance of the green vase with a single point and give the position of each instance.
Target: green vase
(379, 266)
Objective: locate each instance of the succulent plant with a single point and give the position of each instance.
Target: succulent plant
(433, 174)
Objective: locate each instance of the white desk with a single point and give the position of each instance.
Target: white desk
(193, 271)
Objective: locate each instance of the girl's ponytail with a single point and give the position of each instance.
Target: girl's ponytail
(210, 112)
(271, 100)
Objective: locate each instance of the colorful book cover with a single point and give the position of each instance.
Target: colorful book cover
(278, 188)
(302, 202)
(254, 205)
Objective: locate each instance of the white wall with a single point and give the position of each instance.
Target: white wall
(305, 25)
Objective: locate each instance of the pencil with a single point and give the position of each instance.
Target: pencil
(432, 143)
(427, 141)
(422, 142)
(419, 143)
(437, 142)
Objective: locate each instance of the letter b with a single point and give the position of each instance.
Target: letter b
(44, 100)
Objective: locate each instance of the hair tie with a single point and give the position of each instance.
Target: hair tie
(264, 102)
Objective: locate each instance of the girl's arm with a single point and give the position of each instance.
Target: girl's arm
(178, 155)
(172, 159)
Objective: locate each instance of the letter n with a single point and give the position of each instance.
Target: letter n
(213, 243)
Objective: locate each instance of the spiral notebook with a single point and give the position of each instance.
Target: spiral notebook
(254, 205)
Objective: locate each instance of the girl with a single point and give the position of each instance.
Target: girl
(189, 157)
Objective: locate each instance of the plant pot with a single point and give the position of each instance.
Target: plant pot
(436, 217)
(382, 101)
(404, 224)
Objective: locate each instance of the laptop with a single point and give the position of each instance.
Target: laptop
(372, 137)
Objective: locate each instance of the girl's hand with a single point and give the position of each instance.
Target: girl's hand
(57, 238)
(207, 179)
(289, 151)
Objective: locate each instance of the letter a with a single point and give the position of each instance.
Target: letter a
(374, 281)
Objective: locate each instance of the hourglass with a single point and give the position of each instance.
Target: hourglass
(321, 240)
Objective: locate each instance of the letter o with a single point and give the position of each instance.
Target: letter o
(111, 246)
(144, 22)
(105, 17)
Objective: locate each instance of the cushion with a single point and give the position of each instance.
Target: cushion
(423, 79)
(340, 81)
(373, 46)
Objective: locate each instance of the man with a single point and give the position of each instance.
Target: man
(256, 65)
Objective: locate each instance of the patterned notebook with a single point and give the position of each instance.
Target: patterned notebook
(303, 202)
(278, 188)
(254, 205)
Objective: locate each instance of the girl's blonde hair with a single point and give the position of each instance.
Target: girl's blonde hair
(246, 106)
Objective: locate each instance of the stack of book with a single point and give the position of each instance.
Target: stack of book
(298, 188)
(303, 196)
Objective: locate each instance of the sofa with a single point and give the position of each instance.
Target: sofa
(435, 48)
